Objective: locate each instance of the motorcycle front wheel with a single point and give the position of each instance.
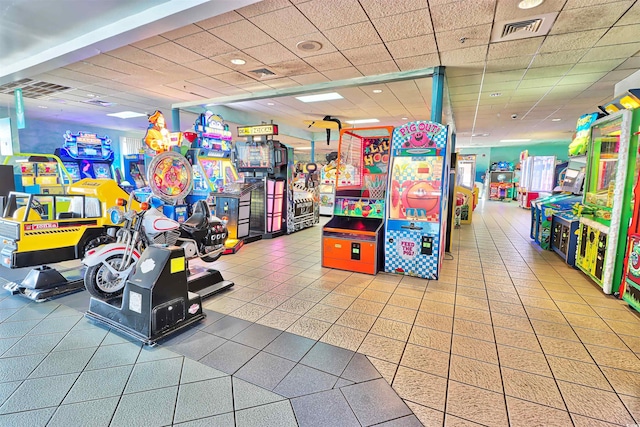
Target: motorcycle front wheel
(101, 283)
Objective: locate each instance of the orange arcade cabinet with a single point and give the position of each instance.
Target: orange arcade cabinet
(352, 239)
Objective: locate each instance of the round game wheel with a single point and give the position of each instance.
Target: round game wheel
(170, 176)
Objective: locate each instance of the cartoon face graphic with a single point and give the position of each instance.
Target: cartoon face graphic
(419, 140)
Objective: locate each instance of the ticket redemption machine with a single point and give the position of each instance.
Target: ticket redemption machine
(466, 191)
(327, 188)
(564, 225)
(38, 173)
(134, 170)
(608, 193)
(417, 200)
(352, 240)
(86, 155)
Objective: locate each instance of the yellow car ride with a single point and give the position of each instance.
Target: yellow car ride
(38, 229)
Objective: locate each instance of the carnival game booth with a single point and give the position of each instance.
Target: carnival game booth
(352, 240)
(417, 200)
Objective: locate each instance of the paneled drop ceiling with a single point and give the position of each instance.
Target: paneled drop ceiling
(592, 45)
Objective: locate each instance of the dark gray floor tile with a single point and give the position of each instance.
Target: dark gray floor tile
(7, 388)
(37, 418)
(116, 337)
(375, 402)
(94, 413)
(229, 357)
(79, 301)
(148, 354)
(408, 421)
(86, 323)
(227, 327)
(114, 355)
(342, 383)
(52, 325)
(265, 370)
(156, 374)
(39, 393)
(290, 346)
(34, 344)
(257, 336)
(212, 317)
(198, 345)
(33, 312)
(19, 368)
(193, 371)
(303, 380)
(63, 362)
(247, 395)
(277, 414)
(6, 313)
(224, 420)
(64, 311)
(203, 399)
(7, 343)
(16, 329)
(326, 409)
(360, 369)
(15, 302)
(99, 384)
(327, 358)
(148, 408)
(82, 339)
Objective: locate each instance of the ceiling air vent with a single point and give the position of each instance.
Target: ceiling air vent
(33, 88)
(531, 27)
(263, 72)
(100, 102)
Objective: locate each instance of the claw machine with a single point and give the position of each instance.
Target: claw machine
(608, 196)
(417, 201)
(352, 240)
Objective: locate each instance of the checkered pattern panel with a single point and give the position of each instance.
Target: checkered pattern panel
(398, 139)
(441, 139)
(424, 266)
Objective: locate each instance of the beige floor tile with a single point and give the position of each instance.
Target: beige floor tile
(438, 297)
(376, 296)
(576, 308)
(476, 373)
(434, 321)
(311, 295)
(477, 303)
(404, 301)
(620, 313)
(416, 281)
(633, 405)
(453, 421)
(325, 312)
(296, 306)
(350, 291)
(224, 304)
(382, 286)
(251, 312)
(620, 359)
(474, 348)
(529, 361)
(308, 327)
(601, 338)
(511, 322)
(535, 302)
(388, 277)
(391, 329)
(531, 387)
(340, 301)
(507, 308)
(436, 286)
(624, 382)
(413, 291)
(471, 292)
(475, 404)
(426, 360)
(386, 369)
(421, 388)
(554, 330)
(622, 327)
(270, 299)
(594, 403)
(471, 329)
(278, 319)
(437, 307)
(514, 338)
(633, 342)
(527, 414)
(427, 416)
(475, 315)
(286, 289)
(582, 421)
(245, 294)
(533, 293)
(382, 348)
(299, 280)
(588, 322)
(573, 296)
(400, 314)
(355, 320)
(477, 282)
(323, 285)
(430, 338)
(367, 307)
(552, 316)
(588, 374)
(344, 337)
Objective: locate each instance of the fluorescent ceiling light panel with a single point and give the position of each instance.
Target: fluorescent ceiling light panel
(362, 121)
(319, 97)
(126, 114)
(515, 140)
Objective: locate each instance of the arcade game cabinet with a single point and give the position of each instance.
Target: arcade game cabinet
(353, 239)
(306, 197)
(134, 170)
(564, 225)
(86, 155)
(611, 175)
(538, 177)
(327, 187)
(38, 173)
(417, 200)
(500, 181)
(466, 191)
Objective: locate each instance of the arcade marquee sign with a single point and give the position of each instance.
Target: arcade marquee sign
(258, 130)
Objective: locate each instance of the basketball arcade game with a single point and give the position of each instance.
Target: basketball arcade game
(352, 240)
(417, 208)
(86, 155)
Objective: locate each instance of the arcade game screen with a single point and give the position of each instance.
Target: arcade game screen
(255, 154)
(74, 170)
(416, 188)
(102, 170)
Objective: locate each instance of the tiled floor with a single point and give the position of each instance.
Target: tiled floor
(509, 335)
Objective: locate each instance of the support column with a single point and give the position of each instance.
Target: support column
(313, 151)
(437, 94)
(175, 120)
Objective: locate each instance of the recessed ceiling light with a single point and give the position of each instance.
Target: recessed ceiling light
(405, 118)
(479, 134)
(362, 121)
(529, 4)
(302, 148)
(555, 120)
(42, 106)
(126, 114)
(270, 103)
(377, 91)
(494, 94)
(238, 61)
(90, 95)
(319, 97)
(515, 140)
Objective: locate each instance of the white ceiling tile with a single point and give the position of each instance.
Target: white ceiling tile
(464, 37)
(507, 10)
(418, 62)
(631, 17)
(536, 83)
(404, 25)
(342, 13)
(181, 32)
(290, 43)
(601, 15)
(149, 79)
(367, 54)
(501, 87)
(295, 67)
(180, 72)
(151, 41)
(284, 23)
(225, 59)
(208, 82)
(242, 34)
(379, 9)
(508, 64)
(220, 20)
(557, 58)
(281, 83)
(454, 82)
(630, 64)
(571, 41)
(461, 90)
(596, 66)
(416, 46)
(328, 61)
(116, 64)
(270, 53)
(198, 90)
(378, 68)
(232, 90)
(513, 48)
(617, 75)
(139, 57)
(261, 7)
(254, 87)
(342, 73)
(627, 33)
(207, 67)
(97, 71)
(466, 70)
(173, 51)
(463, 56)
(543, 72)
(234, 77)
(602, 53)
(582, 78)
(309, 79)
(205, 44)
(451, 16)
(352, 36)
